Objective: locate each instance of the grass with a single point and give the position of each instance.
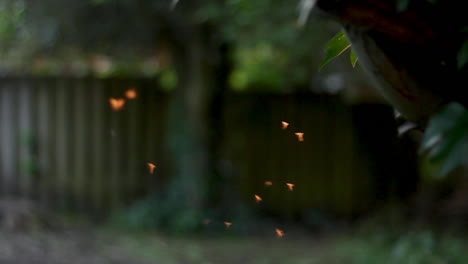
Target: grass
(227, 250)
(360, 247)
(377, 241)
(372, 246)
(415, 247)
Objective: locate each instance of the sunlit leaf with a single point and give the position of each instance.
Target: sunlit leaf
(337, 45)
(353, 57)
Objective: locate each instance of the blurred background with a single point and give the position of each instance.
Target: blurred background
(138, 131)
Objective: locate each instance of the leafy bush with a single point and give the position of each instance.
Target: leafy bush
(446, 138)
(418, 247)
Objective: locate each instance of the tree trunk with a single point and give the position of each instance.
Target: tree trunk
(195, 128)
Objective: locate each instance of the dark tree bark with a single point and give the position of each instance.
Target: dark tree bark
(410, 54)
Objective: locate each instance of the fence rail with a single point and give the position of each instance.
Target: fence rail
(63, 146)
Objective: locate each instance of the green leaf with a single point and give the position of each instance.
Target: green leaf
(455, 158)
(462, 57)
(446, 138)
(402, 5)
(168, 79)
(353, 57)
(337, 45)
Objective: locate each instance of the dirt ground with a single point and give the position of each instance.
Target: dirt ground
(70, 247)
(31, 236)
(95, 247)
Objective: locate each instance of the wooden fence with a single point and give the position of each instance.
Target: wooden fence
(329, 168)
(63, 146)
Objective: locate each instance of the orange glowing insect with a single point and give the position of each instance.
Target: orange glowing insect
(290, 186)
(151, 167)
(268, 183)
(300, 136)
(117, 103)
(131, 93)
(228, 224)
(279, 232)
(284, 124)
(258, 198)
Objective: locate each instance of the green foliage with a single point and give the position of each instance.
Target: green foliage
(157, 212)
(419, 247)
(168, 79)
(259, 66)
(272, 50)
(335, 47)
(89, 28)
(462, 57)
(14, 36)
(446, 138)
(402, 5)
(11, 15)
